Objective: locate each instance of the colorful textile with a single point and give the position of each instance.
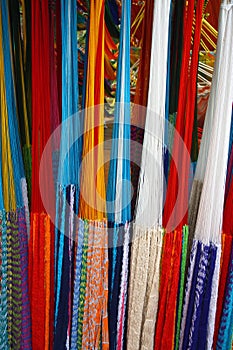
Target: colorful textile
(143, 287)
(3, 285)
(169, 283)
(225, 261)
(225, 334)
(77, 284)
(95, 312)
(181, 284)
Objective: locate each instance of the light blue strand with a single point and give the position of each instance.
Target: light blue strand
(70, 152)
(126, 188)
(71, 140)
(111, 187)
(60, 249)
(112, 181)
(122, 106)
(114, 255)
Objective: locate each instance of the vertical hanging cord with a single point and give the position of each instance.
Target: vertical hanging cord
(41, 231)
(68, 177)
(175, 206)
(119, 191)
(172, 180)
(203, 279)
(94, 327)
(93, 188)
(147, 233)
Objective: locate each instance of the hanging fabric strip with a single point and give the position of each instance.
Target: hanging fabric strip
(147, 233)
(119, 171)
(67, 189)
(92, 201)
(41, 234)
(174, 216)
(185, 117)
(208, 227)
(206, 138)
(119, 187)
(221, 131)
(93, 323)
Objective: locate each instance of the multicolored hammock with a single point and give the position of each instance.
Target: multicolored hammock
(15, 310)
(94, 268)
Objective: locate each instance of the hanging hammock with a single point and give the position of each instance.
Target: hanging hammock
(119, 190)
(147, 232)
(15, 311)
(202, 283)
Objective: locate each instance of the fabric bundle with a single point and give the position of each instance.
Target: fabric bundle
(202, 284)
(93, 312)
(147, 232)
(119, 190)
(41, 248)
(67, 196)
(175, 208)
(89, 266)
(15, 308)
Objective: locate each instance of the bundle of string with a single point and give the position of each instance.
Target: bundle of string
(93, 317)
(119, 189)
(67, 191)
(147, 232)
(15, 279)
(175, 213)
(203, 276)
(41, 234)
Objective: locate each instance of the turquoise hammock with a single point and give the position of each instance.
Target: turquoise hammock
(68, 182)
(119, 208)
